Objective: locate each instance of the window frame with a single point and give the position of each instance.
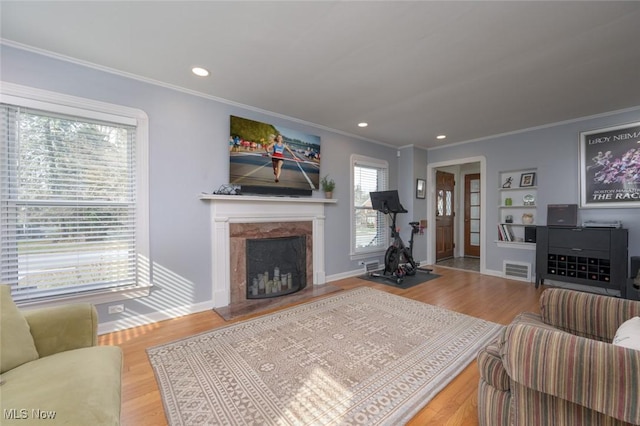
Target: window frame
(54, 102)
(360, 160)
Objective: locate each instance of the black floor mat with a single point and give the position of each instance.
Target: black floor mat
(407, 282)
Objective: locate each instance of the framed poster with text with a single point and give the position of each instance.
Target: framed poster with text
(610, 167)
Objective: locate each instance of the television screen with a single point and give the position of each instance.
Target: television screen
(272, 159)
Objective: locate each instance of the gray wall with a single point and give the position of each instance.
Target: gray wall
(188, 135)
(188, 155)
(553, 151)
(412, 166)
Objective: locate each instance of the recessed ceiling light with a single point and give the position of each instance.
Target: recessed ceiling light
(201, 72)
(363, 124)
(441, 136)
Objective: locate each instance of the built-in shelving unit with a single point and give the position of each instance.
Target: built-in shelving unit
(517, 209)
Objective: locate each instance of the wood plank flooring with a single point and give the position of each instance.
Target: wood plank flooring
(482, 296)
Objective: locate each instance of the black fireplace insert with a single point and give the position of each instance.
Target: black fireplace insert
(276, 266)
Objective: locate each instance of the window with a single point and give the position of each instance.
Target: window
(369, 227)
(73, 198)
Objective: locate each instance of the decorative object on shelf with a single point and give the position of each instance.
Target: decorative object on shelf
(328, 185)
(527, 218)
(529, 200)
(421, 188)
(527, 179)
(610, 167)
(507, 183)
(508, 201)
(227, 190)
(505, 233)
(508, 219)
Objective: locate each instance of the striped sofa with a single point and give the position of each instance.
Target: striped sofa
(560, 368)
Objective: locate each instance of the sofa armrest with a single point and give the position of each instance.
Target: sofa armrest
(585, 314)
(593, 374)
(490, 367)
(63, 328)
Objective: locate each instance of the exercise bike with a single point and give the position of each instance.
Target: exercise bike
(398, 259)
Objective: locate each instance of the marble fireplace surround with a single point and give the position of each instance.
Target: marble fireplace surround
(264, 212)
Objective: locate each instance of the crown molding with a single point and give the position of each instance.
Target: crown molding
(543, 126)
(177, 88)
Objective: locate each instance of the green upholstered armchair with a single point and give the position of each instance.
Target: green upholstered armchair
(560, 367)
(52, 370)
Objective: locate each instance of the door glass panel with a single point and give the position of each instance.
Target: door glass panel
(475, 225)
(449, 199)
(474, 239)
(474, 199)
(474, 185)
(474, 212)
(440, 208)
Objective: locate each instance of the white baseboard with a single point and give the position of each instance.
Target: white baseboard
(343, 275)
(146, 319)
(501, 275)
(356, 273)
(493, 273)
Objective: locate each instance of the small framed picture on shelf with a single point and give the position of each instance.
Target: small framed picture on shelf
(527, 179)
(421, 188)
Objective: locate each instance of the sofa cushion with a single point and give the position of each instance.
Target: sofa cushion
(594, 316)
(589, 373)
(16, 342)
(78, 387)
(628, 334)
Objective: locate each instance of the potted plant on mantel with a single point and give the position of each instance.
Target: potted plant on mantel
(328, 185)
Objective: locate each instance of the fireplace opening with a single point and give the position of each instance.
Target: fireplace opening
(276, 266)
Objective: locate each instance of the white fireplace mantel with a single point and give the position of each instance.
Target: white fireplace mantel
(226, 209)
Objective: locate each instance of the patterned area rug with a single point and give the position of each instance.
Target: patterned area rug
(362, 356)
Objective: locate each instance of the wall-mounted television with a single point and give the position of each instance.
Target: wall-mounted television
(272, 160)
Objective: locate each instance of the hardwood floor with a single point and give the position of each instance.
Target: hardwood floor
(482, 296)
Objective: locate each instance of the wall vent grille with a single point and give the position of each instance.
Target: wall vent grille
(371, 266)
(516, 270)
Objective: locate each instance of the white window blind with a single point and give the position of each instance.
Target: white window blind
(370, 228)
(67, 203)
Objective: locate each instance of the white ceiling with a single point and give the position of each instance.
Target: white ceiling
(413, 70)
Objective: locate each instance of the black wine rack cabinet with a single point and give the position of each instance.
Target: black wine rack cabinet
(594, 257)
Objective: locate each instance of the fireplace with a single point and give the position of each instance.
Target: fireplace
(234, 219)
(275, 266)
(281, 234)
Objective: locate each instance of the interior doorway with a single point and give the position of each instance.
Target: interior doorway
(462, 258)
(445, 214)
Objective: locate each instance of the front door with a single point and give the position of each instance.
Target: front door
(472, 215)
(445, 185)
